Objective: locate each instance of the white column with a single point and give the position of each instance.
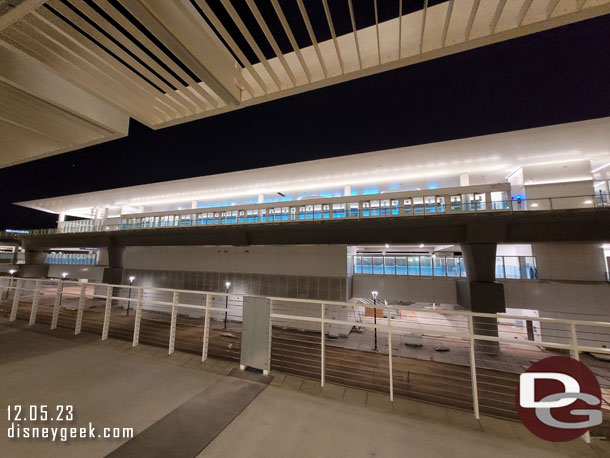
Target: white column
(60, 219)
(261, 198)
(193, 204)
(464, 179)
(347, 190)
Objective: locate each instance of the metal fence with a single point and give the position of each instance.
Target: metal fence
(426, 353)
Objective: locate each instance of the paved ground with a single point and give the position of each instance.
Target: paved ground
(112, 384)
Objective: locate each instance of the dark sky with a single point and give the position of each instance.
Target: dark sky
(557, 76)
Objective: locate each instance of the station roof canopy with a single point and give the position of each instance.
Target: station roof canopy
(578, 151)
(72, 72)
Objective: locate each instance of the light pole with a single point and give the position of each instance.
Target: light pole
(374, 294)
(64, 275)
(10, 282)
(131, 280)
(228, 285)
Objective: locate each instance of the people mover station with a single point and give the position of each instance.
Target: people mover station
(425, 278)
(434, 272)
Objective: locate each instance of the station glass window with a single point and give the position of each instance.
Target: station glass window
(395, 207)
(418, 205)
(456, 203)
(357, 264)
(401, 265)
(367, 264)
(453, 268)
(389, 265)
(425, 263)
(408, 206)
(439, 266)
(366, 209)
(511, 267)
(378, 264)
(353, 210)
(499, 267)
(531, 271)
(338, 210)
(413, 265)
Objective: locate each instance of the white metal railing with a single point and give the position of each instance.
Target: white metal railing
(360, 207)
(568, 338)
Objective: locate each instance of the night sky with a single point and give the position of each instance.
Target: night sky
(557, 76)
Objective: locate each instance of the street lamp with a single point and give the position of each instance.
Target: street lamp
(131, 280)
(374, 294)
(228, 285)
(64, 275)
(10, 281)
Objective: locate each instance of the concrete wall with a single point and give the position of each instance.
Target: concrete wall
(396, 289)
(75, 272)
(570, 261)
(319, 260)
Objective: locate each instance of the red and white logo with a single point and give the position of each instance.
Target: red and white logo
(559, 399)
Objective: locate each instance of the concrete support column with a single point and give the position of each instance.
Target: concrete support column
(60, 219)
(113, 274)
(193, 204)
(347, 190)
(480, 292)
(464, 179)
(34, 266)
(261, 198)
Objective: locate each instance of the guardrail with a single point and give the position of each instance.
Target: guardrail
(391, 326)
(326, 212)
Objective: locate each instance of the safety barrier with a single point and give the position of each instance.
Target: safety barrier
(449, 357)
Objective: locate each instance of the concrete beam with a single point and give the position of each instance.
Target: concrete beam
(585, 225)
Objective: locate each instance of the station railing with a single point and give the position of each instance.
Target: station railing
(425, 209)
(311, 337)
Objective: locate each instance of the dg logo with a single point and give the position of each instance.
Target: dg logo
(559, 399)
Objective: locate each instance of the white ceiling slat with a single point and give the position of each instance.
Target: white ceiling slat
(473, 14)
(377, 32)
(312, 36)
(329, 19)
(353, 19)
(229, 40)
(246, 34)
(447, 22)
(190, 102)
(496, 17)
(100, 38)
(423, 26)
(523, 11)
(400, 29)
(79, 77)
(193, 86)
(290, 35)
(263, 25)
(53, 29)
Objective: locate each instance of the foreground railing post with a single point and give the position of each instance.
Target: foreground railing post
(57, 304)
(576, 355)
(265, 372)
(322, 347)
(473, 370)
(206, 327)
(16, 297)
(390, 357)
(81, 309)
(107, 310)
(35, 301)
(138, 318)
(172, 326)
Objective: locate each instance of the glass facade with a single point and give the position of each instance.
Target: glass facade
(84, 258)
(510, 267)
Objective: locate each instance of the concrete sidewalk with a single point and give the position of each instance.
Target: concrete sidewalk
(111, 384)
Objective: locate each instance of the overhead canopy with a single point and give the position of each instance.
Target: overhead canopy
(574, 151)
(167, 62)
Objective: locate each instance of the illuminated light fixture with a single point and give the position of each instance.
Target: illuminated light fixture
(64, 275)
(228, 284)
(588, 202)
(131, 279)
(12, 272)
(600, 168)
(534, 205)
(421, 245)
(387, 245)
(374, 294)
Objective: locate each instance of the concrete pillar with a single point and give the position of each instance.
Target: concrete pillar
(60, 219)
(261, 198)
(464, 179)
(347, 190)
(34, 266)
(98, 213)
(480, 292)
(116, 259)
(193, 204)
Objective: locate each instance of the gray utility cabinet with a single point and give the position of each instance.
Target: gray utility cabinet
(255, 335)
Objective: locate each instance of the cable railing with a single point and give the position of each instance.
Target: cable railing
(458, 358)
(367, 207)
